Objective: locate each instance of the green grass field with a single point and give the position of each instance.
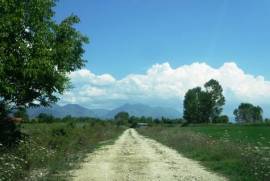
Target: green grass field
(240, 152)
(248, 134)
(52, 149)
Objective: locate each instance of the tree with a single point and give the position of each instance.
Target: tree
(121, 118)
(221, 119)
(214, 89)
(204, 106)
(248, 113)
(267, 120)
(36, 53)
(191, 105)
(43, 117)
(257, 114)
(132, 119)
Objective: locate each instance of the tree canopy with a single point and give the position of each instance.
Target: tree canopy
(191, 105)
(204, 105)
(36, 53)
(248, 113)
(217, 100)
(121, 118)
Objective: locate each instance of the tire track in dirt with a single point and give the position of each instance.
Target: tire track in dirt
(136, 158)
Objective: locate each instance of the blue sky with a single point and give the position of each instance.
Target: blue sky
(153, 51)
(129, 36)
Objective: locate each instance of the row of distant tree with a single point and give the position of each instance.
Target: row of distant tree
(201, 105)
(123, 118)
(205, 105)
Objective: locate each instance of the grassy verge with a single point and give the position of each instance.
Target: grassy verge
(238, 152)
(51, 149)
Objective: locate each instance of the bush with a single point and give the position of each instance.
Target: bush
(42, 117)
(134, 125)
(10, 133)
(221, 119)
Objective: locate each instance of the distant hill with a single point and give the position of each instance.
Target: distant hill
(62, 111)
(79, 111)
(144, 110)
(100, 113)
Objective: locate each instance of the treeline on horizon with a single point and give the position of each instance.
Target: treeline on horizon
(201, 105)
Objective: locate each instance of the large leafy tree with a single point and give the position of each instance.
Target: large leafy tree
(121, 118)
(191, 105)
(248, 113)
(217, 100)
(204, 105)
(36, 53)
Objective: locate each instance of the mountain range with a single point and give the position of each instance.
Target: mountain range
(76, 110)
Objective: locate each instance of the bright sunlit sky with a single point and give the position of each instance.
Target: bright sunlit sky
(137, 44)
(132, 35)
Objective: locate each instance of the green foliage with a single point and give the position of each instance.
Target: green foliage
(121, 118)
(9, 133)
(204, 106)
(132, 120)
(36, 53)
(42, 117)
(191, 105)
(267, 120)
(214, 89)
(248, 113)
(221, 119)
(4, 110)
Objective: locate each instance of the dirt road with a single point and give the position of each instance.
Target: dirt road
(136, 158)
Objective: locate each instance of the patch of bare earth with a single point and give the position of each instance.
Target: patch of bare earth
(136, 158)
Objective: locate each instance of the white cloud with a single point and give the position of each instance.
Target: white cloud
(164, 85)
(86, 77)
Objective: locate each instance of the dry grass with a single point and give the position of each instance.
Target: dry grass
(53, 149)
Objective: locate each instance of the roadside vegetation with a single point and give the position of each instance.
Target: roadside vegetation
(239, 152)
(48, 150)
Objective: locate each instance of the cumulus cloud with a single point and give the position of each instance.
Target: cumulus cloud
(86, 77)
(164, 86)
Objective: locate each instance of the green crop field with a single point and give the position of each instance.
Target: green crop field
(248, 134)
(239, 152)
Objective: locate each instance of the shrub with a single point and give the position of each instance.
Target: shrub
(10, 133)
(221, 119)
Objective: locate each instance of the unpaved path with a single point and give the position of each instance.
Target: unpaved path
(136, 158)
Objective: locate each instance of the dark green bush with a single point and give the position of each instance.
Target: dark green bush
(221, 119)
(10, 133)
